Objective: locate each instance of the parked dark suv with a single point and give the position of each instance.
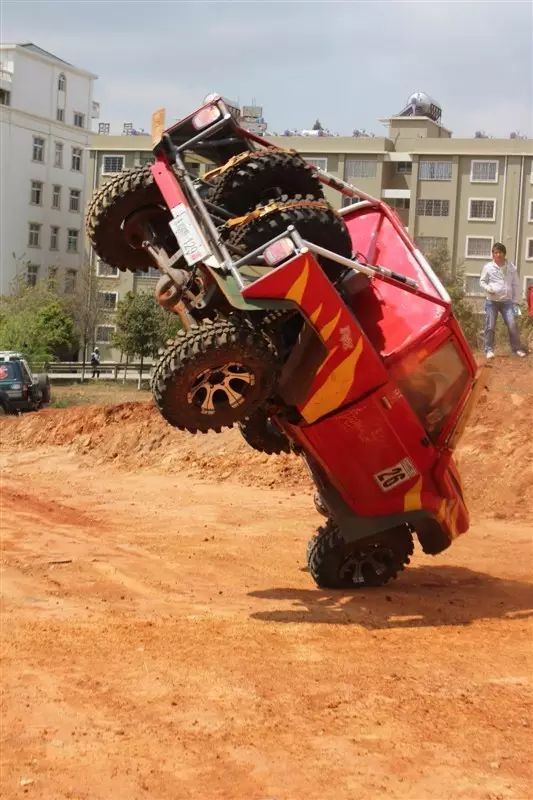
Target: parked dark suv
(20, 390)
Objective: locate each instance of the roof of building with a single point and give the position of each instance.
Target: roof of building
(35, 50)
(352, 145)
(39, 50)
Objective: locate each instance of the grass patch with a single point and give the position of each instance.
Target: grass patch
(96, 392)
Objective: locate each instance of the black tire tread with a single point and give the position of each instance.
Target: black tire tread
(263, 436)
(316, 221)
(193, 344)
(263, 175)
(121, 195)
(327, 539)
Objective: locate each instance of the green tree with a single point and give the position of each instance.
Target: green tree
(142, 327)
(454, 281)
(87, 310)
(317, 126)
(36, 321)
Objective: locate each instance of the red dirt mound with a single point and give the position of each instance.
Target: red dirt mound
(495, 455)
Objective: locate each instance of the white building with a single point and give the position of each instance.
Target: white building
(46, 109)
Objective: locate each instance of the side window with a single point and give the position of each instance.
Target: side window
(26, 375)
(435, 386)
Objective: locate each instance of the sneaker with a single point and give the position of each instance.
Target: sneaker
(520, 353)
(490, 354)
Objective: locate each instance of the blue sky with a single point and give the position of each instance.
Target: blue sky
(347, 63)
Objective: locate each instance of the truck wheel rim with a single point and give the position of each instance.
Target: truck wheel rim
(227, 385)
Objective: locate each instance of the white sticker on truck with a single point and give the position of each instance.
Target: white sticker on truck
(392, 476)
(188, 234)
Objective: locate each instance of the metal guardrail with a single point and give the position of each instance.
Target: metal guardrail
(109, 370)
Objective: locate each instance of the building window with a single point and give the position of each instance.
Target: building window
(472, 286)
(478, 246)
(76, 159)
(435, 171)
(481, 209)
(428, 244)
(52, 274)
(32, 270)
(38, 149)
(404, 167)
(530, 214)
(54, 237)
(74, 200)
(103, 270)
(58, 154)
(72, 240)
(148, 158)
(349, 201)
(108, 300)
(36, 195)
(360, 168)
(433, 208)
(60, 114)
(399, 203)
(104, 333)
(70, 281)
(529, 249)
(112, 164)
(321, 163)
(528, 281)
(79, 120)
(483, 171)
(5, 97)
(56, 196)
(61, 83)
(34, 234)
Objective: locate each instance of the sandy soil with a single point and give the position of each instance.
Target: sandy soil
(162, 639)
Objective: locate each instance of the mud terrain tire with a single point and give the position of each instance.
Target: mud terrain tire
(127, 192)
(264, 175)
(335, 564)
(261, 434)
(214, 375)
(44, 384)
(317, 222)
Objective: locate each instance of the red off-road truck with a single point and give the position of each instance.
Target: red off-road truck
(317, 331)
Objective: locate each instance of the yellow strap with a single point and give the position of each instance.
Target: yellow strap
(214, 173)
(257, 213)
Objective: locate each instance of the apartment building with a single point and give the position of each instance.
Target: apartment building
(46, 107)
(463, 194)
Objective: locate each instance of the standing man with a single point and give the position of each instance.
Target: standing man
(499, 281)
(95, 362)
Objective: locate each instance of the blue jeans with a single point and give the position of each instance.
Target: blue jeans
(505, 308)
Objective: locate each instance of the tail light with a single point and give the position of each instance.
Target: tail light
(25, 390)
(205, 117)
(278, 251)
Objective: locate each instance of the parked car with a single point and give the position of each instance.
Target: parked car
(20, 390)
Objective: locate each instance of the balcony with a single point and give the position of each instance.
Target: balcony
(6, 75)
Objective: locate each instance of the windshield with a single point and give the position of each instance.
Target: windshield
(435, 386)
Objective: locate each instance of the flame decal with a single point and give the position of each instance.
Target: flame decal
(296, 291)
(413, 497)
(315, 315)
(335, 388)
(329, 327)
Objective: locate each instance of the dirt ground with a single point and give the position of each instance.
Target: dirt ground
(162, 639)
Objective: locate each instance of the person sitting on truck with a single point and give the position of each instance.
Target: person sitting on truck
(499, 281)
